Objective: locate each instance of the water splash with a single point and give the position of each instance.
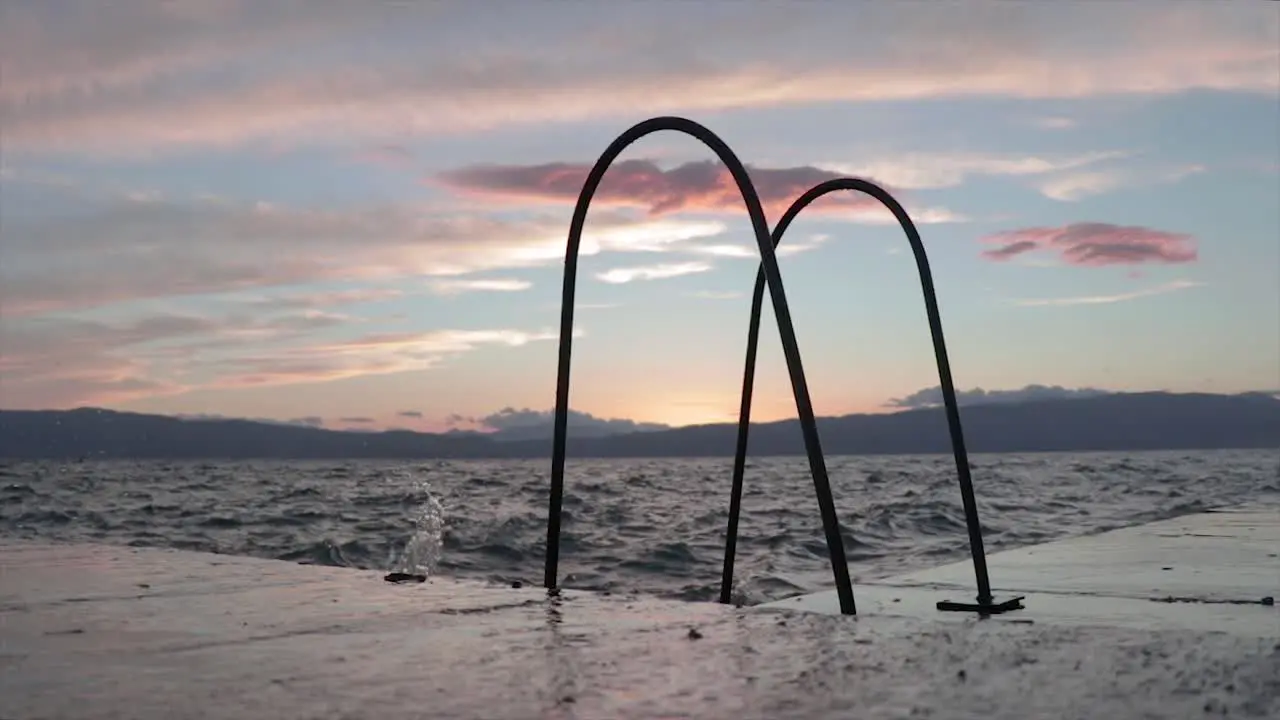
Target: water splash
(421, 552)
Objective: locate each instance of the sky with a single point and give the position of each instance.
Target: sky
(355, 214)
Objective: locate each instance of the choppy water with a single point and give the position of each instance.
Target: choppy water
(656, 526)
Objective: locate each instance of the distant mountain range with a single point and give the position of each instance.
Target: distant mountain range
(1122, 421)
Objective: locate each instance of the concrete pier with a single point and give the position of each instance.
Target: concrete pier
(1216, 571)
(114, 632)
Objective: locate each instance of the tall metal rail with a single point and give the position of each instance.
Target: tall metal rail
(769, 268)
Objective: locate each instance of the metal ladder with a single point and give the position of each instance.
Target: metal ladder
(770, 275)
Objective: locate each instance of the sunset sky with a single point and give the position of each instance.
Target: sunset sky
(356, 211)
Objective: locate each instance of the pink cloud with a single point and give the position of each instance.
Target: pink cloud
(703, 186)
(75, 362)
(65, 362)
(1095, 244)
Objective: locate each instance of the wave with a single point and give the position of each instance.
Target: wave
(651, 526)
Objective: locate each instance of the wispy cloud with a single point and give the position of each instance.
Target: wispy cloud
(65, 362)
(1168, 287)
(456, 286)
(1095, 244)
(387, 155)
(56, 51)
(1055, 122)
(72, 187)
(110, 255)
(621, 275)
(813, 242)
(1077, 185)
(1061, 177)
(373, 354)
(195, 74)
(742, 251)
(61, 362)
(311, 301)
(723, 250)
(919, 170)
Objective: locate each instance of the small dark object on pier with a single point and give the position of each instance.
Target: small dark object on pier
(399, 577)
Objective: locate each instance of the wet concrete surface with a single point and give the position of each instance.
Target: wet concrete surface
(1216, 571)
(111, 632)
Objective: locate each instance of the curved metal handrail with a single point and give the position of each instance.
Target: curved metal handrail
(770, 274)
(944, 377)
